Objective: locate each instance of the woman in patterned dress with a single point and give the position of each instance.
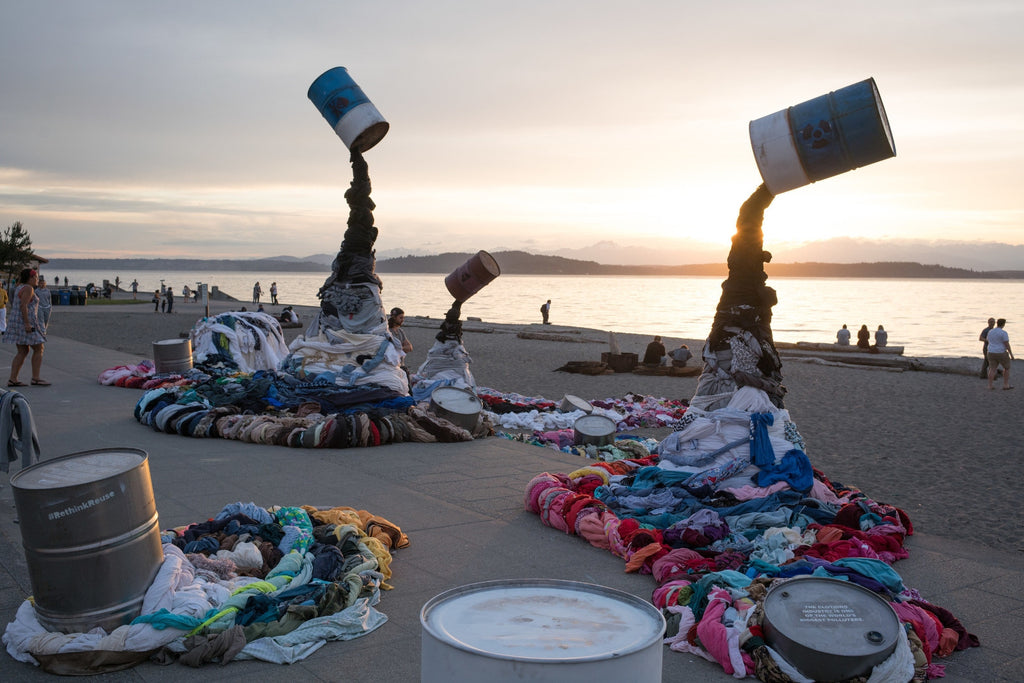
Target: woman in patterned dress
(23, 329)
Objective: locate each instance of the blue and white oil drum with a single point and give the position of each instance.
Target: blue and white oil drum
(347, 109)
(821, 138)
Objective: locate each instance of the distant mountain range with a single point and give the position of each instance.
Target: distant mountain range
(524, 263)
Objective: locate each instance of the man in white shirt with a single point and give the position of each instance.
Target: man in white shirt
(999, 354)
(843, 337)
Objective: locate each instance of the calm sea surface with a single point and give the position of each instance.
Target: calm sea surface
(928, 317)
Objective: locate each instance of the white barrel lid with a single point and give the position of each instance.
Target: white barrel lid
(456, 400)
(78, 468)
(543, 620)
(594, 425)
(576, 403)
(175, 342)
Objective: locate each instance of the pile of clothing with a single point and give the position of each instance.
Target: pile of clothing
(273, 584)
(632, 411)
(728, 505)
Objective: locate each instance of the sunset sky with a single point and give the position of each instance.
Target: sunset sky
(182, 129)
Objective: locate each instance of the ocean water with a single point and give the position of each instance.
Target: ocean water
(928, 317)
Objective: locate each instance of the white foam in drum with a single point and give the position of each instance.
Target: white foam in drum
(540, 630)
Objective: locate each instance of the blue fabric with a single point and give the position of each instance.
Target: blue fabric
(761, 451)
(794, 469)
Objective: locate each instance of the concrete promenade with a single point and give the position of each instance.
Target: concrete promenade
(460, 504)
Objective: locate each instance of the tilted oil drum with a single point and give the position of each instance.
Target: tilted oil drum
(472, 276)
(459, 406)
(347, 109)
(540, 630)
(594, 430)
(823, 137)
(89, 528)
(829, 629)
(172, 356)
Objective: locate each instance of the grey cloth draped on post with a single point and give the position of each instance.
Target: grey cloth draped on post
(17, 431)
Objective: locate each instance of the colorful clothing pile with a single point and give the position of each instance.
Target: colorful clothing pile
(251, 583)
(515, 411)
(727, 506)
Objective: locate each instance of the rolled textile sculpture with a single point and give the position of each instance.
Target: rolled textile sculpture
(349, 337)
(740, 350)
(448, 360)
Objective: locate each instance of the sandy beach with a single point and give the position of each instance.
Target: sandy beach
(939, 445)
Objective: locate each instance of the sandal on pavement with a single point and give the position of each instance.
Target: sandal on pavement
(15, 383)
(1007, 388)
(40, 383)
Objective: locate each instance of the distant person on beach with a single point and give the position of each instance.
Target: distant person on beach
(273, 293)
(24, 331)
(45, 304)
(117, 282)
(185, 292)
(863, 337)
(395, 321)
(65, 280)
(654, 353)
(545, 309)
(999, 353)
(259, 309)
(135, 289)
(288, 315)
(881, 336)
(169, 296)
(256, 291)
(156, 300)
(680, 356)
(843, 336)
(983, 338)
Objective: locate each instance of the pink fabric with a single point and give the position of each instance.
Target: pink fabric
(673, 565)
(591, 526)
(749, 492)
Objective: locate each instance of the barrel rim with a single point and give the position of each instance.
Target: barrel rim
(45, 463)
(604, 591)
(486, 260)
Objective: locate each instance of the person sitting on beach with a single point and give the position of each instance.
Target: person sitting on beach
(395, 320)
(288, 315)
(881, 336)
(680, 356)
(843, 336)
(863, 337)
(654, 353)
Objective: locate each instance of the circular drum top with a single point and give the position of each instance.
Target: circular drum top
(489, 263)
(456, 400)
(175, 342)
(829, 616)
(78, 468)
(542, 620)
(595, 425)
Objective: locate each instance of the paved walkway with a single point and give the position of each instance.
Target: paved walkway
(460, 504)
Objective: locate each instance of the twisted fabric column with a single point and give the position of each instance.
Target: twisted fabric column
(740, 350)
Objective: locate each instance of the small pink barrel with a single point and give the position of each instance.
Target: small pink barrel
(472, 276)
